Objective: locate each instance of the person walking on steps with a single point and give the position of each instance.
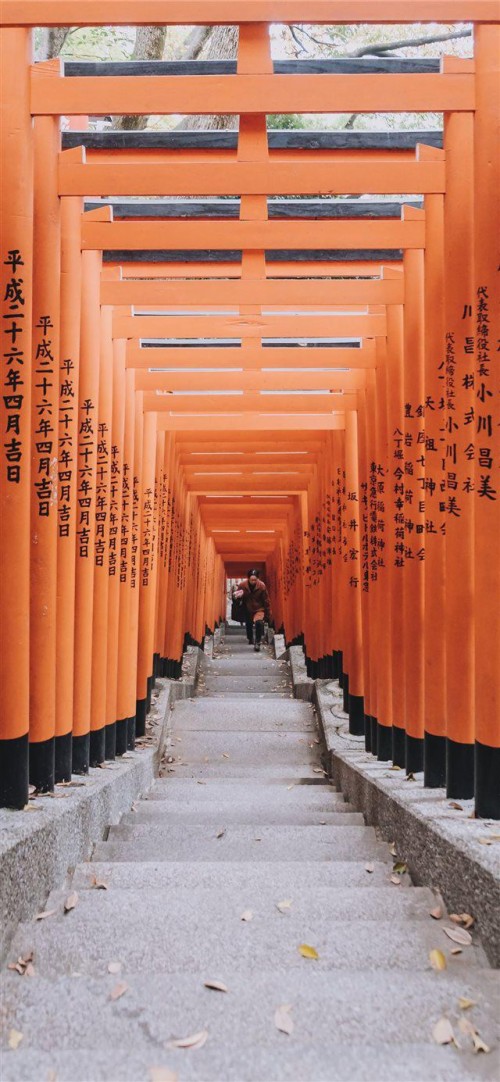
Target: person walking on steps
(252, 593)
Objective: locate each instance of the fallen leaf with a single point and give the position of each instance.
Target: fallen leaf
(196, 1041)
(44, 914)
(400, 868)
(443, 1032)
(247, 915)
(437, 960)
(114, 967)
(458, 807)
(369, 868)
(71, 901)
(462, 918)
(30, 970)
(282, 1019)
(119, 990)
(392, 849)
(290, 786)
(394, 768)
(478, 1043)
(459, 935)
(162, 1074)
(15, 1038)
(308, 952)
(456, 950)
(100, 884)
(284, 906)
(201, 782)
(221, 833)
(465, 1003)
(318, 770)
(217, 986)
(225, 755)
(396, 880)
(22, 963)
(436, 913)
(410, 777)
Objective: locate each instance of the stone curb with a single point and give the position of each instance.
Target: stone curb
(39, 845)
(279, 646)
(439, 843)
(303, 685)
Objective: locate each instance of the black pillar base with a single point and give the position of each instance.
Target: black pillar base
(110, 741)
(81, 754)
(150, 685)
(398, 745)
(414, 754)
(14, 779)
(384, 743)
(97, 753)
(131, 726)
(434, 761)
(340, 660)
(345, 689)
(141, 709)
(121, 728)
(459, 770)
(356, 714)
(368, 732)
(42, 765)
(156, 666)
(487, 761)
(63, 755)
(374, 734)
(336, 664)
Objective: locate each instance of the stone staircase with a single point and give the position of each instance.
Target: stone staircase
(239, 861)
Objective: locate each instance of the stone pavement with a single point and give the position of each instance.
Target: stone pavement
(237, 862)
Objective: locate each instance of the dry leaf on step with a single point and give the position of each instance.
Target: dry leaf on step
(221, 833)
(99, 884)
(284, 906)
(459, 935)
(217, 986)
(162, 1074)
(46, 913)
(396, 880)
(308, 952)
(400, 868)
(71, 901)
(369, 868)
(437, 959)
(453, 804)
(436, 913)
(465, 1003)
(469, 1029)
(247, 915)
(282, 1019)
(443, 1032)
(119, 990)
(462, 918)
(456, 950)
(15, 1038)
(197, 1040)
(392, 849)
(114, 967)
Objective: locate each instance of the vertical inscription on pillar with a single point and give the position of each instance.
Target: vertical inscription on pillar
(13, 355)
(66, 447)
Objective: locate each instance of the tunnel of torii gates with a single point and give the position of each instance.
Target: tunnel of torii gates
(216, 355)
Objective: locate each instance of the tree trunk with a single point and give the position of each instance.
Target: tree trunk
(51, 41)
(149, 45)
(221, 44)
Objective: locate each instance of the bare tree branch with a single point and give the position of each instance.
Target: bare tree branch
(406, 43)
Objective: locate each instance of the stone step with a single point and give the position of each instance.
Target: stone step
(250, 774)
(214, 814)
(280, 877)
(363, 1007)
(281, 1063)
(186, 794)
(271, 714)
(230, 749)
(164, 940)
(155, 841)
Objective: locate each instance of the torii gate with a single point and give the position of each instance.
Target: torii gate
(164, 421)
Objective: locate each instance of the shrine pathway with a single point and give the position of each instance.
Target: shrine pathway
(241, 856)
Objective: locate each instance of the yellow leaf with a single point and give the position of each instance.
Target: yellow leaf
(437, 959)
(308, 952)
(15, 1038)
(465, 1003)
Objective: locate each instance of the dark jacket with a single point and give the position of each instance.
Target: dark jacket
(257, 599)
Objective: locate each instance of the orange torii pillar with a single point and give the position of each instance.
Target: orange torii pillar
(135, 549)
(487, 420)
(381, 567)
(125, 693)
(434, 659)
(355, 636)
(16, 270)
(115, 525)
(146, 574)
(396, 532)
(44, 450)
(101, 551)
(71, 289)
(88, 405)
(457, 500)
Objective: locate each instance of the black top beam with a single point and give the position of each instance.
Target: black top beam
(212, 255)
(228, 140)
(278, 208)
(334, 66)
